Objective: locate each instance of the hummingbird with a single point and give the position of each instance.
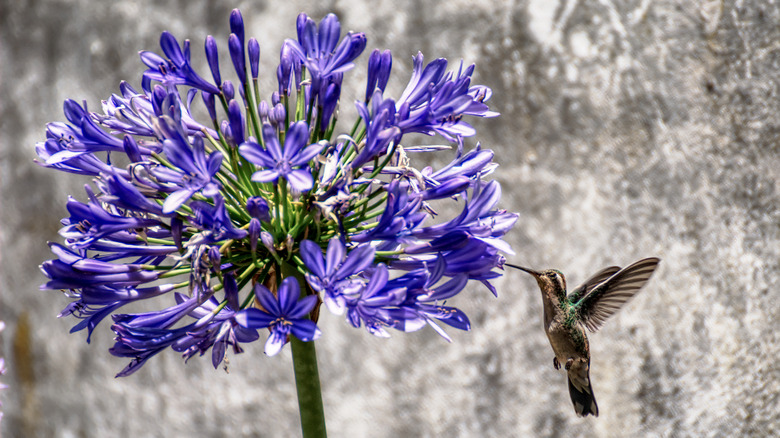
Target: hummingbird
(587, 307)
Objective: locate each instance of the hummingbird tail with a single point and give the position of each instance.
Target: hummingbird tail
(583, 399)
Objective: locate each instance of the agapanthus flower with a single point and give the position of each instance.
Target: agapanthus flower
(247, 221)
(290, 162)
(283, 314)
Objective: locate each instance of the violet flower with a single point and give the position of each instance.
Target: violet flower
(204, 218)
(284, 162)
(283, 314)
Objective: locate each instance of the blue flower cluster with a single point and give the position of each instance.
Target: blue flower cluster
(252, 219)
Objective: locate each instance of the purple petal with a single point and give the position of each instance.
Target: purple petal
(335, 303)
(307, 154)
(151, 59)
(176, 199)
(303, 307)
(358, 260)
(267, 300)
(329, 32)
(265, 176)
(307, 35)
(275, 343)
(312, 257)
(448, 289)
(300, 180)
(335, 254)
(272, 142)
(305, 330)
(255, 154)
(171, 48)
(297, 136)
(253, 318)
(289, 291)
(214, 161)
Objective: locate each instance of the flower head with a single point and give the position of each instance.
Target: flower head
(251, 218)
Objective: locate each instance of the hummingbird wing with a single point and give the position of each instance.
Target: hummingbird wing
(606, 298)
(586, 287)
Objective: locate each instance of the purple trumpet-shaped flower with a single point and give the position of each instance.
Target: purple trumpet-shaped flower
(176, 70)
(329, 275)
(423, 294)
(373, 304)
(435, 101)
(400, 217)
(473, 165)
(84, 135)
(381, 131)
(221, 331)
(120, 192)
(141, 336)
(286, 163)
(284, 314)
(129, 113)
(463, 253)
(195, 170)
(320, 51)
(55, 154)
(97, 302)
(215, 221)
(74, 271)
(91, 222)
(479, 217)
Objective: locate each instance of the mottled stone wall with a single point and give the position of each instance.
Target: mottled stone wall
(628, 129)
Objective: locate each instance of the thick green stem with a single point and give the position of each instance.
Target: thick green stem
(307, 376)
(307, 380)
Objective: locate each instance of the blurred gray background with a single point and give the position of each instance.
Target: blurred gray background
(628, 129)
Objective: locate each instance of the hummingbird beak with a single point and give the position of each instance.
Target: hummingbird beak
(536, 274)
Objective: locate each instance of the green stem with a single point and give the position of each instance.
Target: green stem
(307, 380)
(307, 377)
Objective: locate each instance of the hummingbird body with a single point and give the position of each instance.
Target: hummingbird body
(567, 316)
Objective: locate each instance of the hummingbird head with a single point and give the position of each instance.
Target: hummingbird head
(549, 280)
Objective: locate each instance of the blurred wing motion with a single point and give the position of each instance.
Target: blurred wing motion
(603, 300)
(590, 283)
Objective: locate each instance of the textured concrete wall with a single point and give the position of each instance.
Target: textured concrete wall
(628, 129)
